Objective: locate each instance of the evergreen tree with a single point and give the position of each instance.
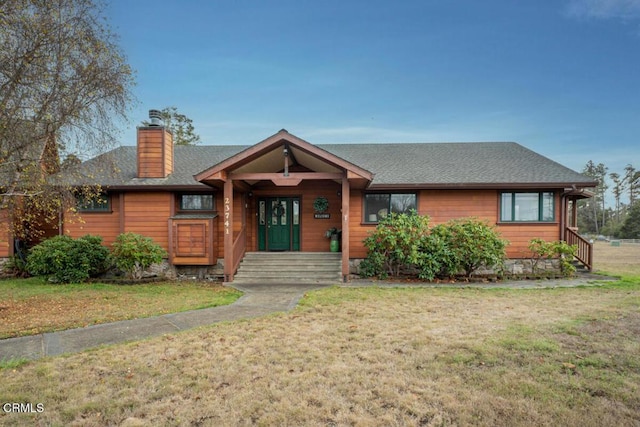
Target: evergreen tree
(631, 227)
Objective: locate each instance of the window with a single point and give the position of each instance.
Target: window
(379, 205)
(196, 202)
(99, 203)
(531, 207)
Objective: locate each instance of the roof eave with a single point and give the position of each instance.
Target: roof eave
(481, 186)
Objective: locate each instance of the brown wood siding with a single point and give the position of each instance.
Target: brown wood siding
(359, 230)
(218, 248)
(155, 153)
(311, 230)
(147, 213)
(519, 236)
(103, 224)
(5, 236)
(168, 153)
(444, 205)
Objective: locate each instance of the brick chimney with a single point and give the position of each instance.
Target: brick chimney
(155, 148)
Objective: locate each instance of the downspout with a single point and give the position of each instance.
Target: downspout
(60, 231)
(563, 214)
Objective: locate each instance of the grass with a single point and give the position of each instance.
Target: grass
(32, 306)
(367, 356)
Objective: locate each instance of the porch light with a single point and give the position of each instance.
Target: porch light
(285, 153)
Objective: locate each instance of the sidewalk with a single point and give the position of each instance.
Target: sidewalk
(581, 279)
(258, 300)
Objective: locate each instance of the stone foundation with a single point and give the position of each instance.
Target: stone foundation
(199, 272)
(511, 267)
(192, 272)
(3, 261)
(166, 270)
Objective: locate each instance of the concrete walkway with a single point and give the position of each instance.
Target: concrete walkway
(258, 300)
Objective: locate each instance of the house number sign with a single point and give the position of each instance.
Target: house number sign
(227, 208)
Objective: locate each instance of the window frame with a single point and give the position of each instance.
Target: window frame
(365, 219)
(181, 207)
(93, 205)
(541, 207)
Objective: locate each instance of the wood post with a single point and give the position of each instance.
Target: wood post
(227, 223)
(345, 228)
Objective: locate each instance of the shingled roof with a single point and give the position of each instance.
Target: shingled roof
(417, 165)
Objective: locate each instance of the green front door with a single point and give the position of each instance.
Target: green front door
(279, 224)
(279, 228)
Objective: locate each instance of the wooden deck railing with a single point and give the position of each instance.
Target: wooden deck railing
(585, 248)
(239, 247)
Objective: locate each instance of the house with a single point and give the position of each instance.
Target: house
(24, 163)
(209, 205)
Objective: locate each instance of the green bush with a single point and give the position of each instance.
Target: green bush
(435, 259)
(132, 253)
(470, 244)
(97, 255)
(65, 260)
(404, 241)
(395, 244)
(541, 249)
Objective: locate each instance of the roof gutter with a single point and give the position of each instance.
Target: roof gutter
(482, 186)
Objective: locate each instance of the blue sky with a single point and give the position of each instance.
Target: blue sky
(561, 77)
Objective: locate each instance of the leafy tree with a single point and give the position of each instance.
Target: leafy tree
(180, 126)
(64, 82)
(631, 227)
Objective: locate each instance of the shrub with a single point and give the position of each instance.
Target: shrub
(541, 249)
(133, 253)
(65, 260)
(469, 244)
(97, 255)
(395, 244)
(435, 259)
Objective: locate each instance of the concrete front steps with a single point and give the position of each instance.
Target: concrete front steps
(322, 268)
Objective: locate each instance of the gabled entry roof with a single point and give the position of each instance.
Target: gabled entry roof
(268, 157)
